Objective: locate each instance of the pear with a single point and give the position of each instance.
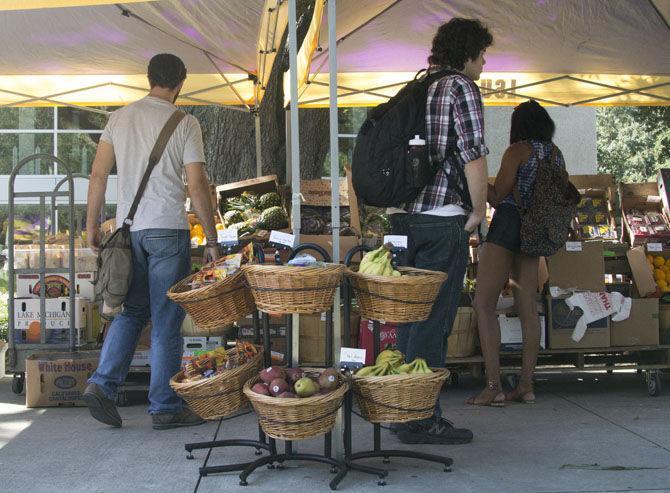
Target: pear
(305, 387)
(328, 379)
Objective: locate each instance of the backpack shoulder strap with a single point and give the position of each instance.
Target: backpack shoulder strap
(154, 157)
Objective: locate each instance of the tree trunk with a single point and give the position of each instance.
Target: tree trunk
(228, 135)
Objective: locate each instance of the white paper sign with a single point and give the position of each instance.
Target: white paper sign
(654, 247)
(396, 240)
(352, 357)
(573, 246)
(280, 238)
(227, 236)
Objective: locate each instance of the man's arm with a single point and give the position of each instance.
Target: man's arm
(476, 173)
(97, 186)
(198, 190)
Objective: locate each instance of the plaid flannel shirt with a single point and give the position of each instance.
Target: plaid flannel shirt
(455, 136)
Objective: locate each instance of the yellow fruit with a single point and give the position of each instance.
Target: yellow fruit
(666, 289)
(662, 283)
(650, 259)
(659, 261)
(659, 275)
(220, 227)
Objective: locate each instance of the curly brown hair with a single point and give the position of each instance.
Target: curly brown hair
(458, 41)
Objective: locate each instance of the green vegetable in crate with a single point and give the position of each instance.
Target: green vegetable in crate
(378, 262)
(268, 200)
(243, 202)
(243, 228)
(273, 218)
(233, 217)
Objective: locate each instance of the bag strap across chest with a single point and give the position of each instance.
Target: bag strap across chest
(155, 156)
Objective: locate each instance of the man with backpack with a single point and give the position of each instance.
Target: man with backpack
(439, 221)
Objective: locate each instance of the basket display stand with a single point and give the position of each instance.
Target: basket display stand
(338, 468)
(263, 442)
(377, 451)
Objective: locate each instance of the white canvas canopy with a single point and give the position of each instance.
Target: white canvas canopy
(95, 52)
(566, 52)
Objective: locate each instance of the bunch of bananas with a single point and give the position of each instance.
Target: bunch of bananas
(419, 365)
(392, 362)
(378, 262)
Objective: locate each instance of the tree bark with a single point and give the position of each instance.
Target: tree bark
(228, 135)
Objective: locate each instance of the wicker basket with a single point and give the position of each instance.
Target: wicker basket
(398, 398)
(462, 341)
(220, 395)
(406, 298)
(216, 305)
(283, 289)
(299, 418)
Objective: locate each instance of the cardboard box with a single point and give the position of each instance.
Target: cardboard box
(643, 274)
(58, 285)
(640, 328)
(260, 185)
(664, 323)
(562, 323)
(27, 326)
(317, 193)
(596, 213)
(58, 379)
(583, 270)
(663, 182)
(277, 332)
(511, 335)
(193, 346)
(642, 197)
(142, 357)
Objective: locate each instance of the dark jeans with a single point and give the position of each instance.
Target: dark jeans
(441, 244)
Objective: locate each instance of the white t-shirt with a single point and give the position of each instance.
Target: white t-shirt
(133, 131)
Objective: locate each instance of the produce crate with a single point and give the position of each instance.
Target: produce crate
(596, 213)
(644, 198)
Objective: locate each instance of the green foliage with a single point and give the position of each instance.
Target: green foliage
(633, 142)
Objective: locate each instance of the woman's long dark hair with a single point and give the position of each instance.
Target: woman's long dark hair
(530, 121)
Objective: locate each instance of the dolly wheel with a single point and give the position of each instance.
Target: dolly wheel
(654, 383)
(18, 382)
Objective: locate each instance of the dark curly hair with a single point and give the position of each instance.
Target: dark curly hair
(530, 121)
(458, 41)
(166, 70)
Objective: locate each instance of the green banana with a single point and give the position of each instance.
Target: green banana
(365, 371)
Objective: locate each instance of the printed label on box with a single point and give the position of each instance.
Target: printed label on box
(573, 246)
(654, 247)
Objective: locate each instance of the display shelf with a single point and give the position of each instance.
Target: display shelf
(377, 451)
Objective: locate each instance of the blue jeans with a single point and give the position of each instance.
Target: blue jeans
(440, 244)
(161, 257)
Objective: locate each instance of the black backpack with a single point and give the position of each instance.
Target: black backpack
(383, 172)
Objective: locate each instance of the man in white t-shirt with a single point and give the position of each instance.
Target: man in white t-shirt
(160, 240)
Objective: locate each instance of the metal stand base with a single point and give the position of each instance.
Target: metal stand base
(338, 468)
(206, 470)
(386, 454)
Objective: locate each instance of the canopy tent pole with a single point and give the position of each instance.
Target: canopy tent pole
(295, 150)
(257, 134)
(338, 441)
